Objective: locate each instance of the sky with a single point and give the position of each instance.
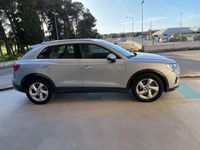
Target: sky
(111, 14)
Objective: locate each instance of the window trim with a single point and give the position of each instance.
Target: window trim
(79, 51)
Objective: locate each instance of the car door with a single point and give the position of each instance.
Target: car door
(61, 63)
(97, 71)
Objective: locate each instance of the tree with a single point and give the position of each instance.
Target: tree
(85, 28)
(26, 17)
(9, 7)
(4, 37)
(46, 8)
(72, 19)
(30, 23)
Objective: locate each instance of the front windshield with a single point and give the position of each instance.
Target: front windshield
(119, 49)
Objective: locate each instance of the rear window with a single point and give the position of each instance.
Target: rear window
(69, 51)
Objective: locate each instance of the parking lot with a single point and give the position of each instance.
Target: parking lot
(109, 121)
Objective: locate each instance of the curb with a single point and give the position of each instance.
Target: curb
(190, 77)
(169, 50)
(6, 89)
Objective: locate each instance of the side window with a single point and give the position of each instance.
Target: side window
(70, 51)
(90, 51)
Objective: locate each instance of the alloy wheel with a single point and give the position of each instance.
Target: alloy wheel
(39, 92)
(147, 88)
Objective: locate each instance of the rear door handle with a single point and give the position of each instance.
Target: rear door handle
(87, 66)
(46, 67)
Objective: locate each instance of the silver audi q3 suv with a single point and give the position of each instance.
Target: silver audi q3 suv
(90, 65)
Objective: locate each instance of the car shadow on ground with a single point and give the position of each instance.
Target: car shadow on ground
(97, 97)
(92, 97)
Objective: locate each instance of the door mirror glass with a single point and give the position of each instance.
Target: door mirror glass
(112, 58)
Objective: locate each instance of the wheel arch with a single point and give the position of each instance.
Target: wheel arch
(36, 76)
(155, 72)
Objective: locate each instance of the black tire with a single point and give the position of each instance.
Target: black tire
(48, 88)
(142, 77)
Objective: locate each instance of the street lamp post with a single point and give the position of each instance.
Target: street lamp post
(56, 25)
(142, 3)
(150, 31)
(132, 19)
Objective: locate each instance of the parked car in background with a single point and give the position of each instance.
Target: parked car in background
(163, 39)
(177, 38)
(85, 65)
(115, 42)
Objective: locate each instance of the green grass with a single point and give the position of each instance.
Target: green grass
(4, 50)
(6, 56)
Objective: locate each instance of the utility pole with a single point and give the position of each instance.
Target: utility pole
(132, 19)
(181, 24)
(142, 3)
(56, 25)
(181, 19)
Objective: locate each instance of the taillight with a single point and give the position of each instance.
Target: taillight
(16, 67)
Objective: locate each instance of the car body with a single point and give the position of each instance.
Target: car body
(163, 39)
(115, 42)
(91, 65)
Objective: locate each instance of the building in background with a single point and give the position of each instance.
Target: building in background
(172, 31)
(175, 34)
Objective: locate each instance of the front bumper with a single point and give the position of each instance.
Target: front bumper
(172, 89)
(173, 79)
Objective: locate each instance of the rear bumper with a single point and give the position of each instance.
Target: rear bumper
(18, 87)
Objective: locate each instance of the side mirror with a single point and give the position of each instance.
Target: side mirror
(112, 58)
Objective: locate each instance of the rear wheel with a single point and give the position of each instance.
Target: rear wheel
(147, 87)
(39, 91)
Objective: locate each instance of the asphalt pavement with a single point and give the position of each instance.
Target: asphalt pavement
(189, 62)
(110, 121)
(5, 71)
(6, 75)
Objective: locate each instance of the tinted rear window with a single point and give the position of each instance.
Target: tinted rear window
(68, 51)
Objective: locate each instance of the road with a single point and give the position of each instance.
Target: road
(102, 122)
(6, 75)
(5, 71)
(189, 61)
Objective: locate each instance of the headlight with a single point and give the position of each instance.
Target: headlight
(172, 67)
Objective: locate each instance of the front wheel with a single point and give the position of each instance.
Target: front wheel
(147, 87)
(39, 91)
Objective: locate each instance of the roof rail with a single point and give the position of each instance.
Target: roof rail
(66, 40)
